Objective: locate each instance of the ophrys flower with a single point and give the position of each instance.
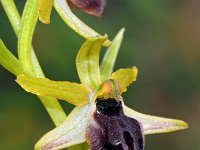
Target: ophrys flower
(100, 117)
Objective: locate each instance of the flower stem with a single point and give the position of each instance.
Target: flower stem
(27, 27)
(26, 52)
(75, 23)
(9, 61)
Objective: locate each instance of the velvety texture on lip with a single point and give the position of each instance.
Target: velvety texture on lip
(111, 129)
(92, 7)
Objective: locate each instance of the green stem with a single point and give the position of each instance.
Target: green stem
(12, 14)
(28, 23)
(51, 104)
(9, 61)
(75, 23)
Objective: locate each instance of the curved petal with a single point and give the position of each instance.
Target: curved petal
(125, 77)
(71, 132)
(45, 8)
(58, 89)
(153, 124)
(87, 62)
(75, 23)
(110, 56)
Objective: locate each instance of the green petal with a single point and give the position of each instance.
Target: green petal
(87, 62)
(58, 89)
(153, 124)
(110, 56)
(45, 8)
(71, 132)
(75, 23)
(125, 77)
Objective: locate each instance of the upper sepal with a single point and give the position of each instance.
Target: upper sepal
(87, 61)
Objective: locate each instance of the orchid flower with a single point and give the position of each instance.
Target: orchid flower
(100, 117)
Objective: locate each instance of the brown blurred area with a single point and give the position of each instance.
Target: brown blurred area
(162, 39)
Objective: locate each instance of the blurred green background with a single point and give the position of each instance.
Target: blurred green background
(162, 39)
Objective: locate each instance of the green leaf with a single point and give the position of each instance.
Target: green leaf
(75, 23)
(125, 77)
(9, 61)
(110, 56)
(71, 132)
(45, 8)
(58, 89)
(153, 124)
(87, 62)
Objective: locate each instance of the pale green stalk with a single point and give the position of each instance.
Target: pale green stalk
(27, 53)
(75, 23)
(27, 27)
(15, 19)
(9, 61)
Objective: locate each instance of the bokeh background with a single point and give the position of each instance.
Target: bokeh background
(162, 39)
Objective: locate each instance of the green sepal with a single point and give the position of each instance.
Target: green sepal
(87, 61)
(153, 124)
(59, 89)
(69, 133)
(110, 56)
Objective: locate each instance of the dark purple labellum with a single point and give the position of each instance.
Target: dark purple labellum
(92, 7)
(111, 129)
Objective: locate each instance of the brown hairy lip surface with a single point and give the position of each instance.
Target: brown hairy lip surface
(92, 7)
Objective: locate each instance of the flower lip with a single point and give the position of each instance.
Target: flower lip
(109, 107)
(110, 128)
(92, 7)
